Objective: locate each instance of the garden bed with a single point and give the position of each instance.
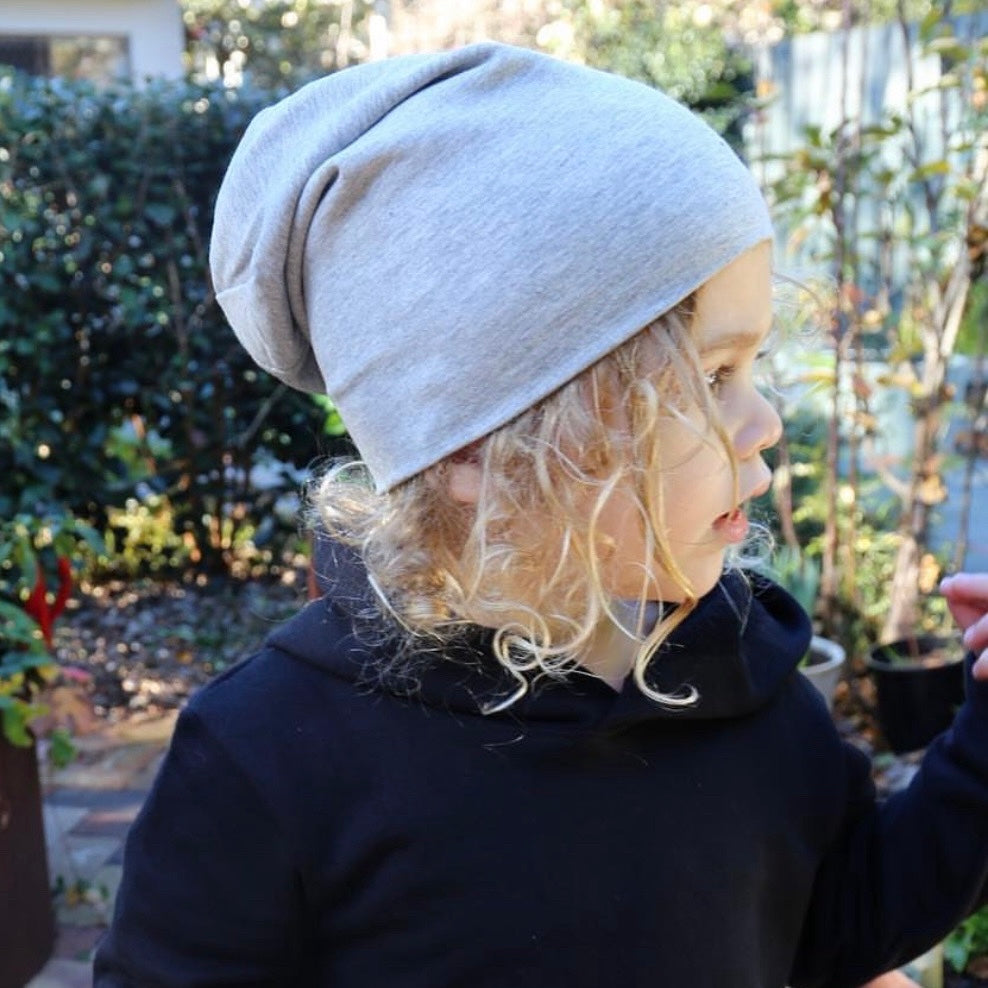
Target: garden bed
(146, 646)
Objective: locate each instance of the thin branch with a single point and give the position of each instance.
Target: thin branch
(248, 434)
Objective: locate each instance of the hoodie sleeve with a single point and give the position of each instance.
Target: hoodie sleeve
(903, 873)
(209, 894)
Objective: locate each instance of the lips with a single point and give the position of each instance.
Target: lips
(732, 526)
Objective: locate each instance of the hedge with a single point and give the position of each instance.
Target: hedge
(119, 379)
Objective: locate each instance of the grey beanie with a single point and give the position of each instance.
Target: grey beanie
(440, 241)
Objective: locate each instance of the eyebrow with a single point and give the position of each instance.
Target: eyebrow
(735, 341)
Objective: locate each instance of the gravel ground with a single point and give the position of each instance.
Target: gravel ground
(146, 646)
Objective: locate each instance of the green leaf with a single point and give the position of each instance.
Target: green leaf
(929, 24)
(956, 953)
(333, 424)
(27, 563)
(968, 939)
(161, 213)
(91, 537)
(15, 726)
(948, 47)
(929, 170)
(14, 663)
(17, 624)
(61, 750)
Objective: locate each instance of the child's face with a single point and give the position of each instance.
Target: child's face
(703, 511)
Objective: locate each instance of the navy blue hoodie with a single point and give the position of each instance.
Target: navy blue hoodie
(312, 825)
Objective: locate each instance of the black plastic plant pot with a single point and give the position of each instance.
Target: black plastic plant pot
(920, 685)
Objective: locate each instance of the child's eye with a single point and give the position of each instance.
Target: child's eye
(718, 377)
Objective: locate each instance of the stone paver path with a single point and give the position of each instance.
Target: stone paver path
(89, 807)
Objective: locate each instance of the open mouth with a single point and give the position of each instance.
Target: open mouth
(732, 526)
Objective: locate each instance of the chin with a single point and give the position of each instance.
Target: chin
(703, 575)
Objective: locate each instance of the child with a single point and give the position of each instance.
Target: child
(536, 735)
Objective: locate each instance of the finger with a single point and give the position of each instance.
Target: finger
(964, 614)
(976, 635)
(967, 596)
(969, 587)
(980, 668)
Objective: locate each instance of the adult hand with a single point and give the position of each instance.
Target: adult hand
(967, 598)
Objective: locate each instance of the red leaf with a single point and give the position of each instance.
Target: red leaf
(64, 587)
(37, 607)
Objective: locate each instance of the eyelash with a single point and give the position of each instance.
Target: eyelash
(718, 377)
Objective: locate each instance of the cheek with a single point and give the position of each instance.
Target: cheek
(691, 463)
(463, 481)
(695, 495)
(619, 526)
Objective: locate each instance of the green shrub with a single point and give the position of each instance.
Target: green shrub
(968, 940)
(39, 554)
(119, 378)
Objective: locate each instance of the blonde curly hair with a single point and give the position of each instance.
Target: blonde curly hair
(528, 559)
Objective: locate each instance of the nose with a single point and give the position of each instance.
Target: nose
(761, 429)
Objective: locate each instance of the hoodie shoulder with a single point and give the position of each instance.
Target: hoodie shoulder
(306, 669)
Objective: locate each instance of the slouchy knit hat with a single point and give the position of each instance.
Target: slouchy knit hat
(440, 241)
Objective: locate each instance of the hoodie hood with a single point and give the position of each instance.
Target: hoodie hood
(738, 648)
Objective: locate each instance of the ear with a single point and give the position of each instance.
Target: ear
(462, 478)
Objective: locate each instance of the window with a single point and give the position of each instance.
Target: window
(100, 58)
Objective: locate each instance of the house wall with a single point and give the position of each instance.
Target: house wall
(153, 28)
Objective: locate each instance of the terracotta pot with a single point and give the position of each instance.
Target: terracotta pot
(27, 919)
(918, 690)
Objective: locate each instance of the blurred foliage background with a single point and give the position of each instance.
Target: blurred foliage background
(130, 416)
(124, 398)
